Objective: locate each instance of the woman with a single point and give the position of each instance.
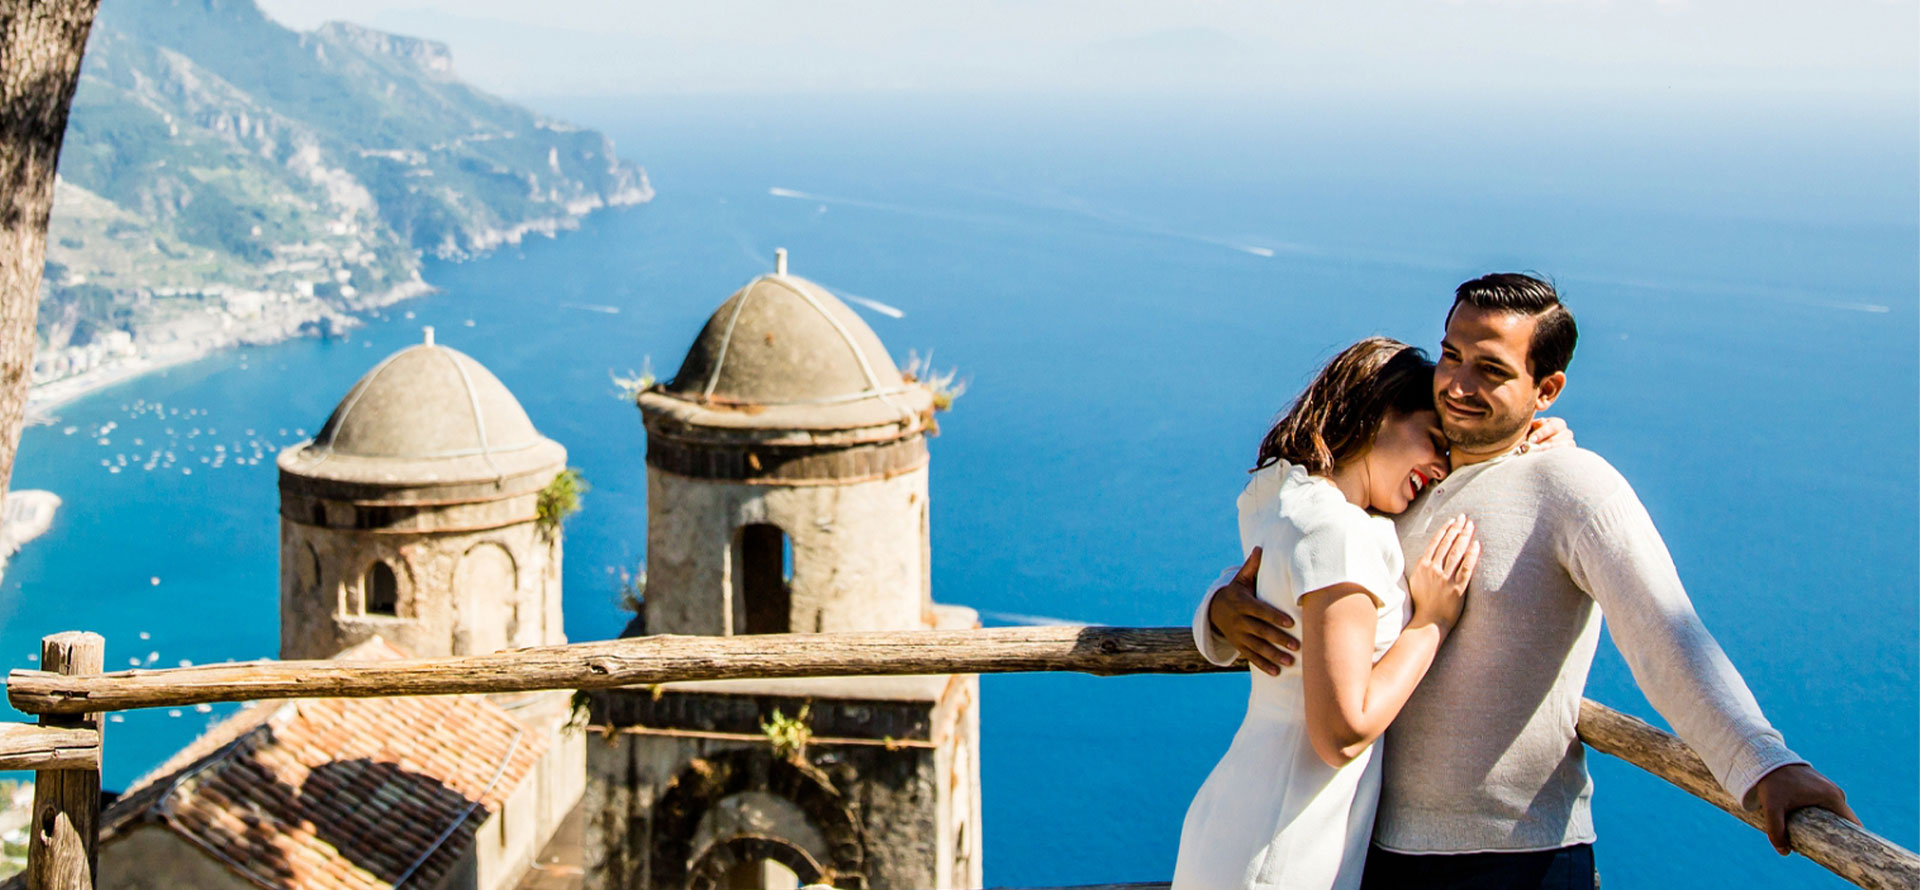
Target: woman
(1291, 804)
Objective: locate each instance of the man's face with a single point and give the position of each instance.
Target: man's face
(1481, 385)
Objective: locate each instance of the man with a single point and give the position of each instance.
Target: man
(1485, 781)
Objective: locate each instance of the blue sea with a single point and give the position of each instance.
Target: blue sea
(1132, 288)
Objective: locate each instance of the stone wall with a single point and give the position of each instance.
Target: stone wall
(682, 786)
(472, 577)
(151, 857)
(858, 552)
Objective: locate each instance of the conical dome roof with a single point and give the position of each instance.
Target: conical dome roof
(784, 353)
(426, 414)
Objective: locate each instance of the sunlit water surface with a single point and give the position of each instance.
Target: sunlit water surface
(1132, 289)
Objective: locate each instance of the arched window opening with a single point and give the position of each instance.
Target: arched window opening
(382, 590)
(318, 514)
(760, 874)
(486, 593)
(766, 578)
(310, 571)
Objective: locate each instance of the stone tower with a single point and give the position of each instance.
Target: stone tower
(787, 492)
(411, 516)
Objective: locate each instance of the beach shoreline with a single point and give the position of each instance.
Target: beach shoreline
(44, 398)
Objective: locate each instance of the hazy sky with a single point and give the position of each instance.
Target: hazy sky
(607, 47)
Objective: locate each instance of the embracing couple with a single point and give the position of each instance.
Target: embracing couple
(1424, 552)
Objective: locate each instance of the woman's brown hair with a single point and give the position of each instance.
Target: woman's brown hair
(1335, 419)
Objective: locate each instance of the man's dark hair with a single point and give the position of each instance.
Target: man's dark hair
(1554, 333)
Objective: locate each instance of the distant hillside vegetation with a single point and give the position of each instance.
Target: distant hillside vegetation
(227, 180)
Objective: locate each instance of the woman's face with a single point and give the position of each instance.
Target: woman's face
(1409, 454)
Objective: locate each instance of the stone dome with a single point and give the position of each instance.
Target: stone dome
(426, 414)
(785, 353)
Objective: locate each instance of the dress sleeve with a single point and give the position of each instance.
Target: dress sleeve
(1339, 552)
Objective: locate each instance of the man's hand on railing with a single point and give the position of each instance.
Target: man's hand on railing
(1790, 788)
(1249, 624)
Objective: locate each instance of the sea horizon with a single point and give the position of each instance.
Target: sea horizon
(1132, 291)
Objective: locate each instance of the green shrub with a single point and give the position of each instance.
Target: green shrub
(788, 735)
(559, 500)
(631, 593)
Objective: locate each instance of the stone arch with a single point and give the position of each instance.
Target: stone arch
(705, 781)
(486, 597)
(756, 814)
(741, 849)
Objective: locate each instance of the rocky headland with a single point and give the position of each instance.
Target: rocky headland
(228, 181)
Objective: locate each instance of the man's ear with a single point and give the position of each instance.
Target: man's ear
(1548, 390)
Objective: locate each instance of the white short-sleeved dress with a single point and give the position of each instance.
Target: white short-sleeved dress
(1273, 814)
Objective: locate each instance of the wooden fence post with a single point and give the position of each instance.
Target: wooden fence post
(62, 846)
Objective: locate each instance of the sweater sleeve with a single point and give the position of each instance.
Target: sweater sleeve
(1212, 646)
(1619, 559)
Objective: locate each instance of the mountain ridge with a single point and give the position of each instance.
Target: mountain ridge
(227, 180)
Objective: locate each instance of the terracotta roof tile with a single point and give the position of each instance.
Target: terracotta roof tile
(339, 794)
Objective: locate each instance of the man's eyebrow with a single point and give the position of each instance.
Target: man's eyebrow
(1499, 365)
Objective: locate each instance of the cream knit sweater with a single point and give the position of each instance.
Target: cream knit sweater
(1484, 756)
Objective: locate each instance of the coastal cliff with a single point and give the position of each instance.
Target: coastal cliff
(226, 180)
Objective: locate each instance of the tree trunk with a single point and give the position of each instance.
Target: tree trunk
(41, 42)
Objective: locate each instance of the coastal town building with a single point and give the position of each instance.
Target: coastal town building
(787, 469)
(413, 515)
(336, 794)
(410, 525)
(787, 492)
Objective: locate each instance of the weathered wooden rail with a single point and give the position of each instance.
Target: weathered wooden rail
(1846, 849)
(63, 836)
(71, 694)
(629, 662)
(26, 746)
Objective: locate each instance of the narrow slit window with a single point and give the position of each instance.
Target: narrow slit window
(766, 566)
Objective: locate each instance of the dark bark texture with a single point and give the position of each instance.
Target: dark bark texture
(41, 42)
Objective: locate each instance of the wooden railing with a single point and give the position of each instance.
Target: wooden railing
(63, 835)
(70, 694)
